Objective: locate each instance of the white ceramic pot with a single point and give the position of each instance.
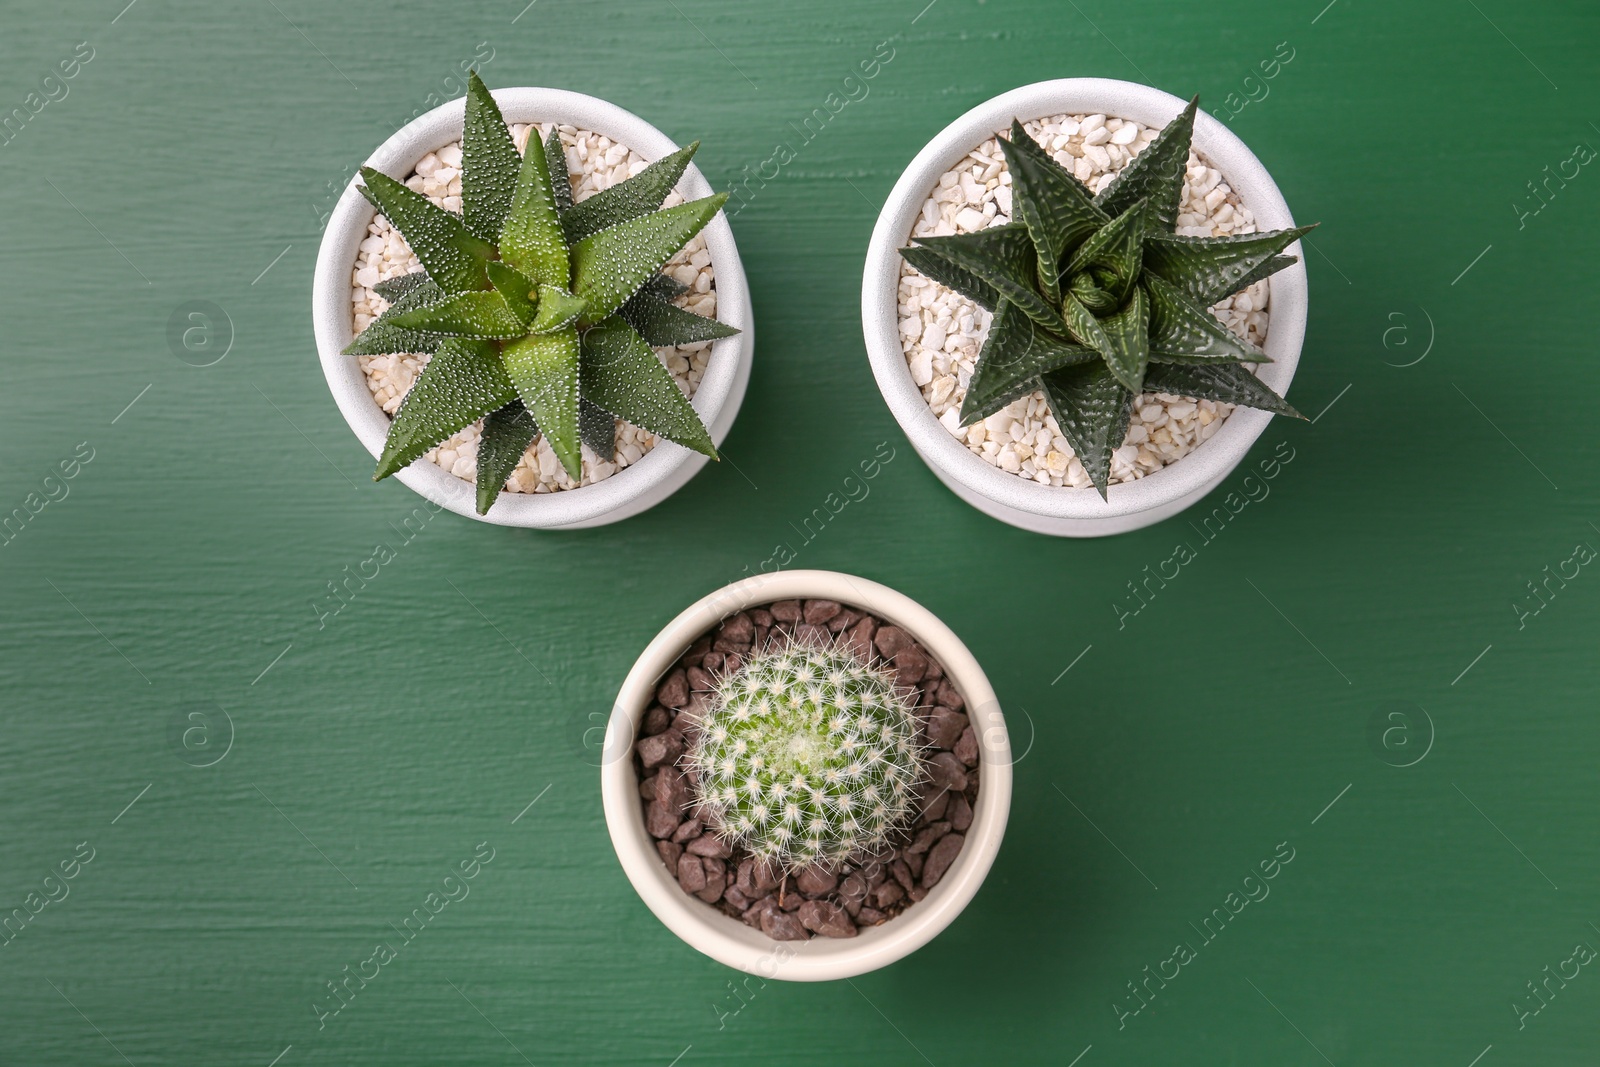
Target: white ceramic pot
(667, 466)
(1018, 501)
(729, 940)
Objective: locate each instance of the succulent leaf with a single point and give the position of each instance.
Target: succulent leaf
(623, 375)
(628, 199)
(1182, 330)
(1263, 270)
(519, 291)
(936, 266)
(481, 313)
(1210, 269)
(531, 239)
(393, 289)
(1013, 356)
(1002, 258)
(1084, 328)
(380, 339)
(1055, 207)
(1085, 287)
(555, 160)
(383, 336)
(1155, 173)
(1092, 408)
(610, 266)
(489, 163)
(558, 309)
(544, 369)
(665, 286)
(806, 756)
(450, 254)
(507, 433)
(1128, 332)
(462, 383)
(662, 323)
(409, 294)
(598, 429)
(1229, 383)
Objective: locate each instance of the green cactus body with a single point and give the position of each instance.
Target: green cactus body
(807, 756)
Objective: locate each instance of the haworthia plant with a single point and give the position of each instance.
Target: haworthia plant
(1096, 298)
(539, 314)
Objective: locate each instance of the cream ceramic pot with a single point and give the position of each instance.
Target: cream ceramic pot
(729, 940)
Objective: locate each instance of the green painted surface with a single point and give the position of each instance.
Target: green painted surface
(183, 566)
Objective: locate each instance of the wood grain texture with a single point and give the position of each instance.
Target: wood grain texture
(374, 750)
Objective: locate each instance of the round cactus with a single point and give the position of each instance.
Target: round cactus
(806, 756)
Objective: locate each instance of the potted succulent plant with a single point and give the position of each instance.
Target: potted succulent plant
(528, 317)
(806, 775)
(1077, 338)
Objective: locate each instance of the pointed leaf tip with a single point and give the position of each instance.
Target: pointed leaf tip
(610, 266)
(628, 199)
(623, 375)
(463, 382)
(450, 253)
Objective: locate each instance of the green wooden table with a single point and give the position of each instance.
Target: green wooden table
(1354, 673)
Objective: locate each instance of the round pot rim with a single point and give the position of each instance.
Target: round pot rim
(721, 385)
(1210, 462)
(727, 939)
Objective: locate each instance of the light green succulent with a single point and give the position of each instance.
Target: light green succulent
(807, 756)
(539, 314)
(1097, 299)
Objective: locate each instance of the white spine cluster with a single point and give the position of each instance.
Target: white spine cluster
(807, 756)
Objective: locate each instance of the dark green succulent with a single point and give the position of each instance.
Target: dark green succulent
(539, 313)
(1096, 299)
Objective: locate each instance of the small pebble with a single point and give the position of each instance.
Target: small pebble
(944, 727)
(674, 692)
(819, 612)
(947, 771)
(966, 749)
(960, 813)
(890, 640)
(709, 845)
(655, 751)
(691, 875)
(940, 857)
(782, 926)
(815, 881)
(826, 918)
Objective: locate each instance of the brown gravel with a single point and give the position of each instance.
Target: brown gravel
(811, 902)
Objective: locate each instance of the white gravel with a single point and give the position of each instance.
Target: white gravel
(942, 331)
(594, 162)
